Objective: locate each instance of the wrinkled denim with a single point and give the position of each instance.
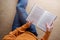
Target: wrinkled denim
(21, 15)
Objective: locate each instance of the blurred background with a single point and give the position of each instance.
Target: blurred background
(8, 10)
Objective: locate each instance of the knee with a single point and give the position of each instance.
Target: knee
(22, 4)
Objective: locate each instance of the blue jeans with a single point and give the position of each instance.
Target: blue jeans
(21, 15)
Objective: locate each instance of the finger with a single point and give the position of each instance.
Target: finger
(47, 26)
(28, 22)
(27, 25)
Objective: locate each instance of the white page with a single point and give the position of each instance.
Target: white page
(46, 18)
(35, 15)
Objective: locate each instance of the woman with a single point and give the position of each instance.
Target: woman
(21, 33)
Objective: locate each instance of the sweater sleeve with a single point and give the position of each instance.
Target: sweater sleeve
(13, 34)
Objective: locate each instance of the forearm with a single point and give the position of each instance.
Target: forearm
(16, 32)
(46, 36)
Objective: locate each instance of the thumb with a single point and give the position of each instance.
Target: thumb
(27, 25)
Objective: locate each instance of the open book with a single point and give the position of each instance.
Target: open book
(40, 17)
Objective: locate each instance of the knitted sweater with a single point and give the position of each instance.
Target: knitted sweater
(20, 34)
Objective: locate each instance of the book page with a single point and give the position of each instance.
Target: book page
(35, 15)
(46, 18)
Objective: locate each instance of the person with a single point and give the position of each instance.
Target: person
(21, 15)
(23, 30)
(21, 33)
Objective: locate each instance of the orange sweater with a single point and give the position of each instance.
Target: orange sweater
(20, 34)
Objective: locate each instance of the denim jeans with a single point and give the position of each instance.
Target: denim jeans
(21, 15)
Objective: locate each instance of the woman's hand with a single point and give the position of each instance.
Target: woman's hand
(47, 33)
(49, 28)
(27, 25)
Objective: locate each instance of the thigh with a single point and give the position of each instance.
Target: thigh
(22, 3)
